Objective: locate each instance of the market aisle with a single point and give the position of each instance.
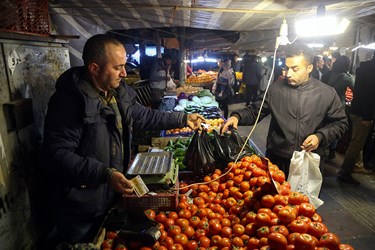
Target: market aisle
(348, 211)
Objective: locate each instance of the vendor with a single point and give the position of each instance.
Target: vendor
(159, 77)
(87, 137)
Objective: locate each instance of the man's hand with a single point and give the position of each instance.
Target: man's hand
(194, 121)
(311, 143)
(232, 121)
(120, 184)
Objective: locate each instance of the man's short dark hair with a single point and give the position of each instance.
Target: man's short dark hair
(297, 49)
(94, 49)
(336, 54)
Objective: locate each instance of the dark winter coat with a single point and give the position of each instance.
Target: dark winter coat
(340, 82)
(81, 141)
(297, 112)
(252, 70)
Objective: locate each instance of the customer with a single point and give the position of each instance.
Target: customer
(362, 112)
(318, 65)
(305, 113)
(159, 76)
(87, 139)
(224, 86)
(252, 74)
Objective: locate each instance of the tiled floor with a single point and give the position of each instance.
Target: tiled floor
(348, 211)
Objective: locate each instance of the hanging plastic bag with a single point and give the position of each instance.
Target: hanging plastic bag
(305, 176)
(199, 157)
(171, 86)
(228, 146)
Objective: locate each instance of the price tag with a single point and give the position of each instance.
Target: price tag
(140, 187)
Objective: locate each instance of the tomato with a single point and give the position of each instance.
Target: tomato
(168, 223)
(107, 244)
(304, 218)
(263, 231)
(185, 214)
(204, 241)
(251, 229)
(262, 219)
(345, 247)
(267, 201)
(173, 215)
(193, 209)
(238, 229)
(224, 242)
(112, 235)
(292, 238)
(180, 239)
(281, 200)
(188, 231)
(253, 243)
(215, 240)
(317, 229)
(278, 176)
(174, 230)
(280, 229)
(161, 217)
(176, 247)
(277, 241)
(316, 217)
(214, 227)
(167, 242)
(286, 215)
(237, 242)
(199, 233)
(306, 209)
(183, 187)
(191, 245)
(298, 226)
(329, 240)
(295, 198)
(276, 209)
(305, 242)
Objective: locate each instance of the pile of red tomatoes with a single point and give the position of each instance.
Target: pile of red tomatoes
(249, 207)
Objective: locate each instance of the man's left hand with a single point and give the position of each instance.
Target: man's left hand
(311, 143)
(194, 121)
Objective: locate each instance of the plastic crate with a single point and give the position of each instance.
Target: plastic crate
(165, 200)
(25, 16)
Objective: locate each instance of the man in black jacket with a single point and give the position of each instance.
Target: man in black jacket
(306, 113)
(362, 112)
(87, 138)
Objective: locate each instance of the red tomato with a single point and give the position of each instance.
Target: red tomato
(329, 240)
(183, 187)
(253, 243)
(237, 242)
(188, 231)
(280, 229)
(295, 198)
(225, 242)
(191, 245)
(317, 229)
(167, 242)
(107, 244)
(262, 219)
(263, 232)
(204, 241)
(238, 229)
(161, 217)
(306, 209)
(345, 247)
(277, 241)
(286, 215)
(194, 221)
(251, 229)
(292, 238)
(199, 233)
(174, 230)
(278, 176)
(168, 223)
(185, 214)
(180, 239)
(281, 200)
(215, 240)
(112, 235)
(173, 215)
(298, 226)
(304, 218)
(267, 201)
(176, 247)
(305, 242)
(316, 217)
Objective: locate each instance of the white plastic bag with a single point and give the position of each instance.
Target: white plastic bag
(171, 85)
(305, 176)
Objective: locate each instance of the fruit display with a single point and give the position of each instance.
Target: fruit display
(203, 78)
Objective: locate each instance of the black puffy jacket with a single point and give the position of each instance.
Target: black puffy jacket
(81, 141)
(297, 112)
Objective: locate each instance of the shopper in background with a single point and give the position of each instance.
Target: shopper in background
(159, 77)
(252, 74)
(305, 113)
(318, 64)
(340, 80)
(362, 112)
(87, 139)
(236, 64)
(224, 86)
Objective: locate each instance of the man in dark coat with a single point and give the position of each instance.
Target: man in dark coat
(87, 138)
(306, 113)
(362, 112)
(252, 74)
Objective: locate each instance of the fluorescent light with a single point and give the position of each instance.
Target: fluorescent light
(321, 26)
(239, 59)
(315, 45)
(201, 59)
(264, 59)
(186, 61)
(368, 46)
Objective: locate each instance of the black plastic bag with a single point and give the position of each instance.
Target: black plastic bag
(199, 157)
(228, 146)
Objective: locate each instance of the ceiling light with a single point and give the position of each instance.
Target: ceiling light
(282, 39)
(368, 46)
(321, 25)
(315, 45)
